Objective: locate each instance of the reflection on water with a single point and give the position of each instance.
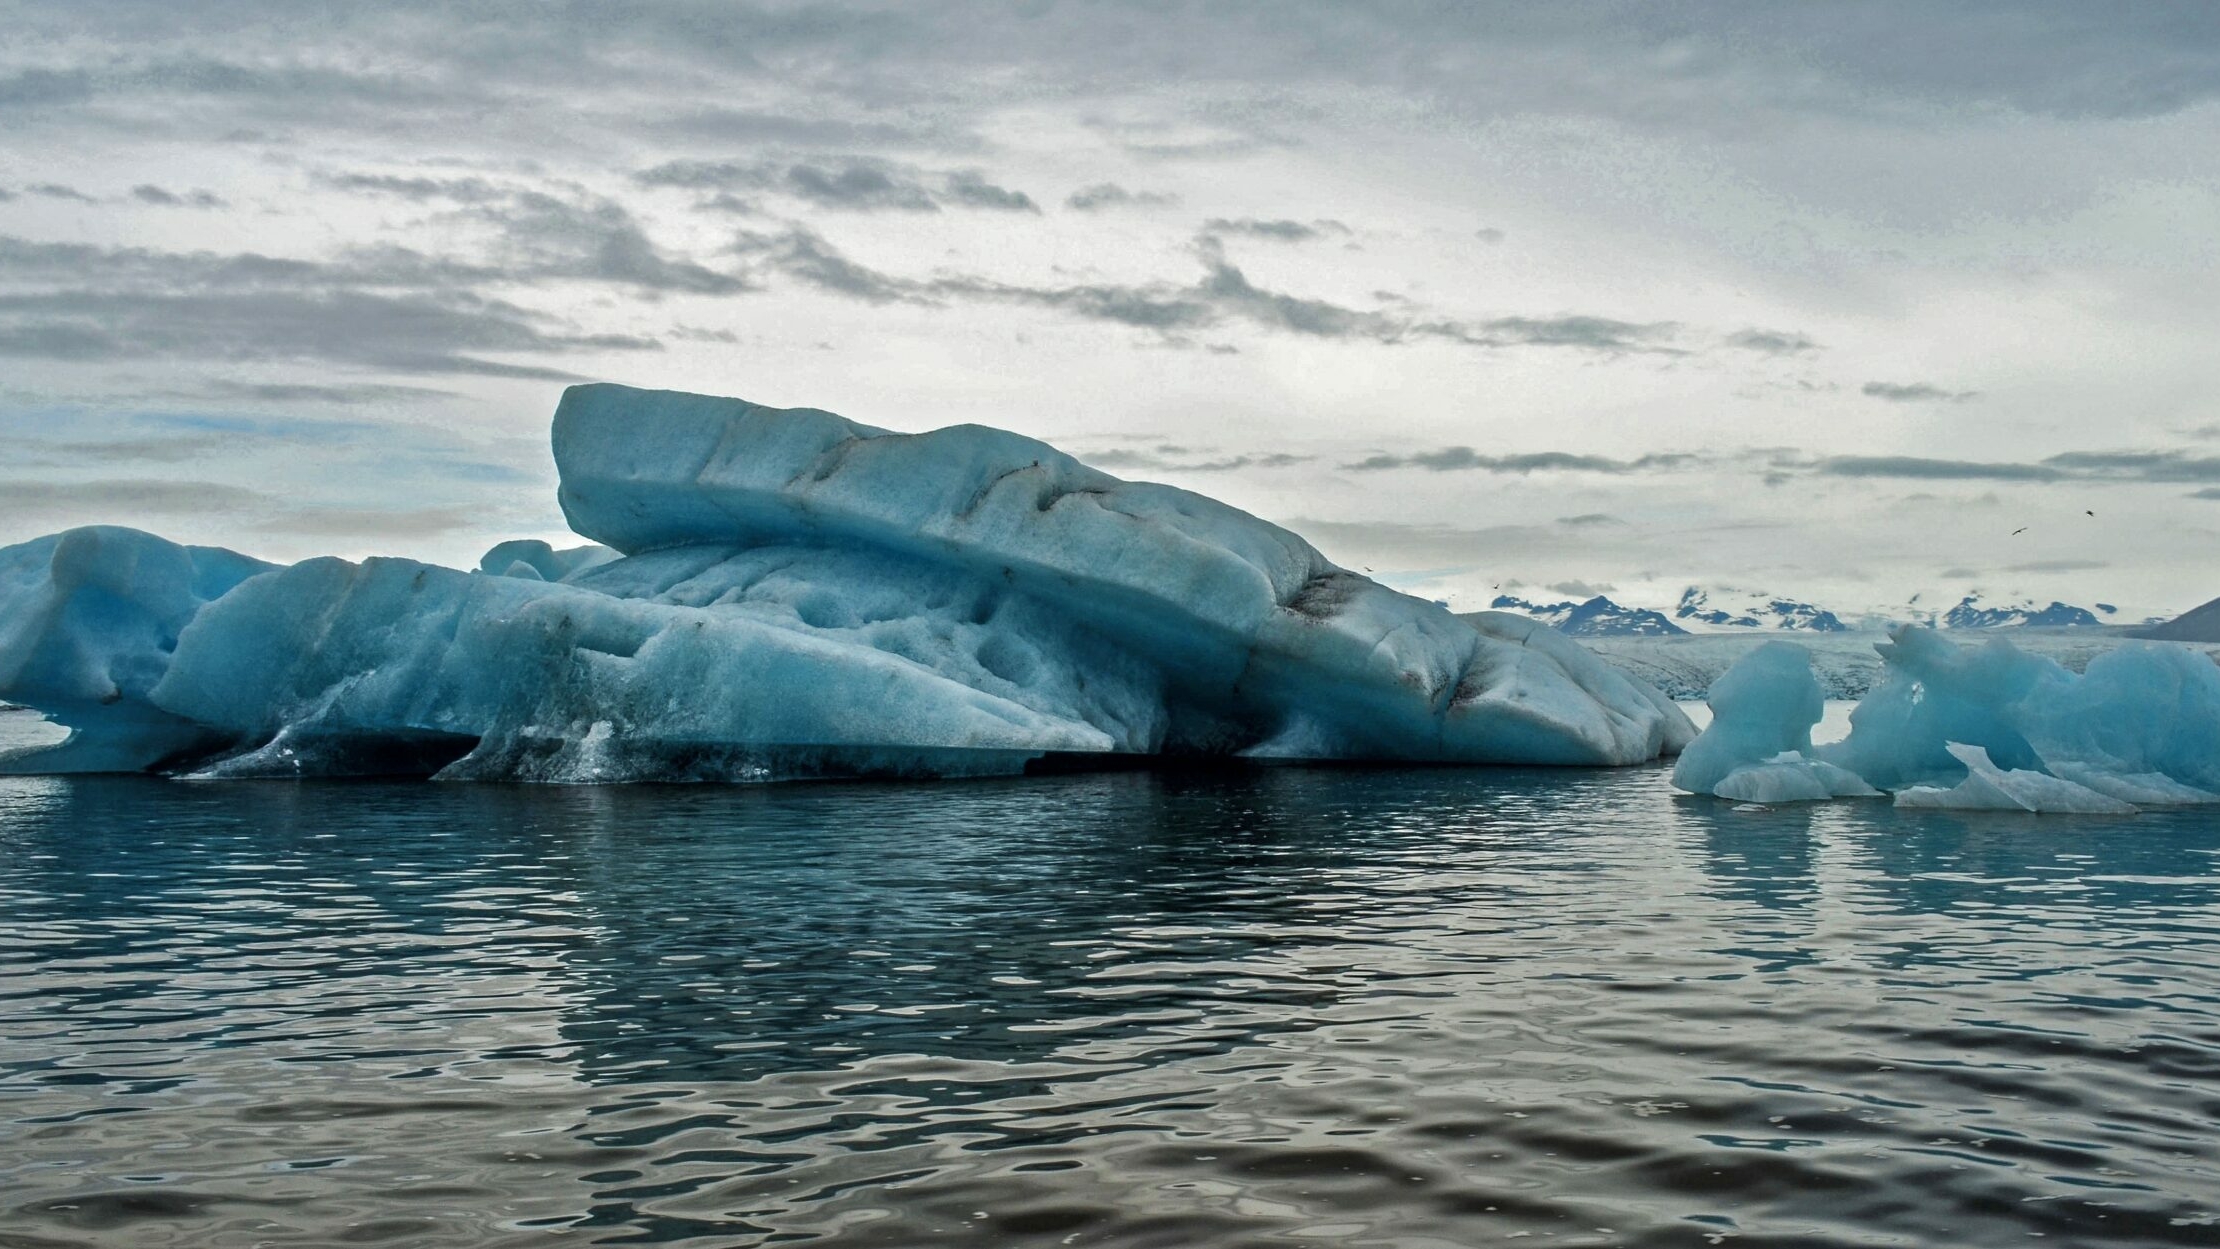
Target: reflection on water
(1410, 1008)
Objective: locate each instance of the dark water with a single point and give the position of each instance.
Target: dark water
(1360, 1008)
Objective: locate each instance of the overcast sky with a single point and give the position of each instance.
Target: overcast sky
(1819, 300)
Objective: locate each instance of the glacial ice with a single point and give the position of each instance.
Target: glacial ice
(1977, 727)
(1758, 747)
(788, 593)
(88, 621)
(1990, 788)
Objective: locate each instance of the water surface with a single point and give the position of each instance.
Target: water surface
(1424, 1007)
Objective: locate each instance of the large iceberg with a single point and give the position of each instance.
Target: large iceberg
(780, 593)
(1987, 727)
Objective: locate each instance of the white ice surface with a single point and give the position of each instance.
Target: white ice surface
(1989, 788)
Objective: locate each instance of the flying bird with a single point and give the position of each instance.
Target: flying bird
(2017, 532)
(2088, 513)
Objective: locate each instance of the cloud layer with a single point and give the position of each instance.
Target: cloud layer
(1810, 289)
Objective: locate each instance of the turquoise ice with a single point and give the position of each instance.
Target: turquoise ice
(783, 592)
(1986, 727)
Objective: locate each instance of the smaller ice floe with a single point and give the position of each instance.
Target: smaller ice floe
(91, 619)
(1758, 748)
(1971, 728)
(1990, 788)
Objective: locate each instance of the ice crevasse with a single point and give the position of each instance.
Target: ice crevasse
(1986, 727)
(786, 593)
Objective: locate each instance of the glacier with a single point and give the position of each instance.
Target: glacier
(1988, 727)
(772, 593)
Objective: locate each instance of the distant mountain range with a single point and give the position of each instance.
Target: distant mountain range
(1597, 617)
(1754, 611)
(1970, 614)
(1725, 610)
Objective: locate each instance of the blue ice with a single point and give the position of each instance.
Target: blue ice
(1987, 727)
(783, 592)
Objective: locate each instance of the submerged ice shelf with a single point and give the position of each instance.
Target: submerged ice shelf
(1970, 728)
(786, 593)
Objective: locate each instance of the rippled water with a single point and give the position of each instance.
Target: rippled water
(1411, 1008)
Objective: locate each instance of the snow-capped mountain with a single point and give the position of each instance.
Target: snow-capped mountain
(1727, 608)
(1970, 613)
(1597, 617)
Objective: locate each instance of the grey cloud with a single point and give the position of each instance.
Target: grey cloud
(2083, 466)
(727, 202)
(1164, 309)
(858, 187)
(2059, 565)
(37, 88)
(1915, 392)
(371, 522)
(1283, 230)
(561, 232)
(22, 260)
(1465, 459)
(1167, 461)
(302, 392)
(1223, 293)
(1581, 589)
(1590, 518)
(1771, 342)
(1231, 289)
(732, 125)
(158, 449)
(700, 334)
(131, 93)
(1489, 235)
(855, 184)
(1923, 469)
(470, 190)
(111, 496)
(1726, 67)
(543, 236)
(148, 193)
(2209, 492)
(55, 190)
(1103, 195)
(411, 333)
(704, 174)
(972, 189)
(2172, 466)
(801, 254)
(1592, 333)
(596, 240)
